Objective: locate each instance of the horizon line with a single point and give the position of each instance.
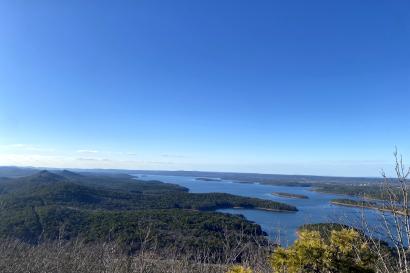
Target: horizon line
(199, 171)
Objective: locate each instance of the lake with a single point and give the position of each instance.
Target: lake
(281, 227)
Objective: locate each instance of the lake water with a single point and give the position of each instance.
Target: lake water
(281, 227)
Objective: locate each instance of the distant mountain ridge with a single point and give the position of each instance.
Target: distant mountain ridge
(12, 171)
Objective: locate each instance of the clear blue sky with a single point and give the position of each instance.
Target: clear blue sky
(314, 87)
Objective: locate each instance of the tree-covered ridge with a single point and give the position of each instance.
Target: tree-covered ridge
(65, 205)
(368, 191)
(120, 182)
(115, 193)
(179, 228)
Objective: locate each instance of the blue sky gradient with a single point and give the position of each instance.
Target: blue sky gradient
(312, 87)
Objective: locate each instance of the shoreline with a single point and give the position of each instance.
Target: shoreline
(336, 203)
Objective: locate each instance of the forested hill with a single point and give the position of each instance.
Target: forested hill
(116, 193)
(67, 205)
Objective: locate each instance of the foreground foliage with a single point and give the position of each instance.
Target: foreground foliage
(343, 252)
(79, 257)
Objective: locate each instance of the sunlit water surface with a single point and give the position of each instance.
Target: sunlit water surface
(281, 227)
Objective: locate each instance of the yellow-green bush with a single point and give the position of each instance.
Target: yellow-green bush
(343, 253)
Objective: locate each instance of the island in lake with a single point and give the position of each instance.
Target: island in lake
(290, 195)
(207, 179)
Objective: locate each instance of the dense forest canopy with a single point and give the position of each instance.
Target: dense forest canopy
(66, 205)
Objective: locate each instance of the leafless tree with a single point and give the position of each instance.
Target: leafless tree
(393, 222)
